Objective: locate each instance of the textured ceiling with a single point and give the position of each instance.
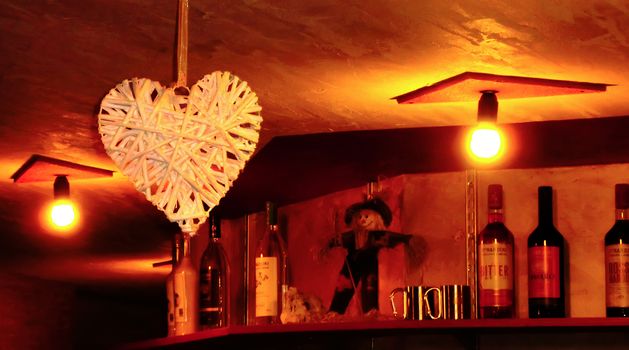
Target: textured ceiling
(321, 66)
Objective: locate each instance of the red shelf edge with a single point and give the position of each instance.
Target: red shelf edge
(434, 325)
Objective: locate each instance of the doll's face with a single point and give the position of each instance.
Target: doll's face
(367, 219)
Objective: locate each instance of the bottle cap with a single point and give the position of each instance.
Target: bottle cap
(545, 193)
(622, 196)
(494, 196)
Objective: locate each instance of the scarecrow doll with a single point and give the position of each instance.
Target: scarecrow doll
(368, 221)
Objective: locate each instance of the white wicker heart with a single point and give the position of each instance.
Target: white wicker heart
(183, 152)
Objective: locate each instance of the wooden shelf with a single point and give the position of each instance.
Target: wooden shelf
(251, 334)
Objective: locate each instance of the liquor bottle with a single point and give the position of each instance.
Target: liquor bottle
(186, 292)
(170, 282)
(617, 258)
(546, 262)
(270, 272)
(495, 262)
(214, 280)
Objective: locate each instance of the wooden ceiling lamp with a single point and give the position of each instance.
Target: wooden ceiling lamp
(486, 142)
(62, 213)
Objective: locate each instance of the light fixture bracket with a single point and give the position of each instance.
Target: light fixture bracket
(61, 187)
(488, 107)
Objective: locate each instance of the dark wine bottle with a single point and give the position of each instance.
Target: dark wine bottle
(495, 262)
(270, 271)
(546, 262)
(214, 280)
(617, 258)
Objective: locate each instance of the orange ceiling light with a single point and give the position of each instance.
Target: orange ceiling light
(485, 142)
(61, 214)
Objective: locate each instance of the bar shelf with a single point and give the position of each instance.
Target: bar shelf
(237, 336)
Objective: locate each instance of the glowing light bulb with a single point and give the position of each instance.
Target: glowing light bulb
(62, 214)
(486, 142)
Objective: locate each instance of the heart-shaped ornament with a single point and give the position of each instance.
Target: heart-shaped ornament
(182, 151)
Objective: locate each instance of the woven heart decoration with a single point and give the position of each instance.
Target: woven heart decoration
(182, 151)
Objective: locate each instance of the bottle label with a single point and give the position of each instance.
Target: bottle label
(211, 290)
(544, 278)
(496, 274)
(266, 286)
(181, 298)
(617, 275)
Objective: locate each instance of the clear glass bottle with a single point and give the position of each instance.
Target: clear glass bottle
(186, 292)
(546, 262)
(495, 262)
(170, 282)
(214, 280)
(617, 258)
(270, 272)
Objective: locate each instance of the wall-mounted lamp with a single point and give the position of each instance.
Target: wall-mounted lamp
(485, 141)
(62, 213)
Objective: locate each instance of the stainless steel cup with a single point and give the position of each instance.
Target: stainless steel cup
(417, 302)
(457, 303)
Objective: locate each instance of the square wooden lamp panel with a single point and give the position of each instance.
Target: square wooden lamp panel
(42, 168)
(469, 85)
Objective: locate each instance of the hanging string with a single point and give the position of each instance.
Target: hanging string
(182, 44)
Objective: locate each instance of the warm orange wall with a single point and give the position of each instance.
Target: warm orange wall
(433, 211)
(38, 314)
(35, 314)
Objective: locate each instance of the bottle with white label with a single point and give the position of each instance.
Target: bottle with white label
(617, 258)
(546, 262)
(495, 262)
(186, 292)
(270, 272)
(170, 283)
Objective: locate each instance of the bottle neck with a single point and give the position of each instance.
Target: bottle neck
(177, 256)
(215, 234)
(545, 205)
(622, 214)
(271, 214)
(185, 247)
(176, 249)
(214, 221)
(495, 215)
(545, 213)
